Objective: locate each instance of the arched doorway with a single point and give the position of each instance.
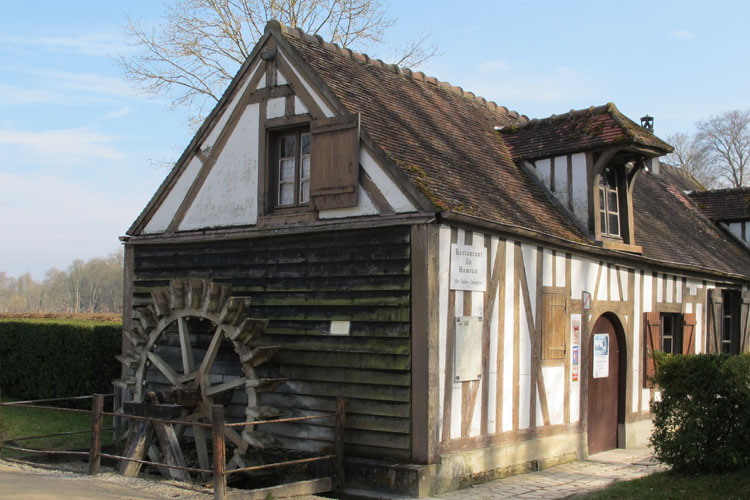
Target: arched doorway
(604, 384)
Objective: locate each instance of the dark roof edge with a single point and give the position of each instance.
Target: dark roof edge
(393, 68)
(634, 260)
(709, 192)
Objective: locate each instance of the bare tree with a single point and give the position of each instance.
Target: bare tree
(194, 54)
(691, 156)
(726, 138)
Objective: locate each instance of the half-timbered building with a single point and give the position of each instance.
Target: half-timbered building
(484, 289)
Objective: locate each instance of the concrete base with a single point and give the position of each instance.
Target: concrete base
(461, 469)
(634, 434)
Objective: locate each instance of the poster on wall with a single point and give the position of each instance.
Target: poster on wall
(468, 268)
(601, 355)
(575, 329)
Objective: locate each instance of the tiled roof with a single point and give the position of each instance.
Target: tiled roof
(724, 204)
(670, 228)
(575, 131)
(677, 177)
(441, 137)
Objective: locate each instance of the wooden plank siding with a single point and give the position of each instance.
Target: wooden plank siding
(300, 283)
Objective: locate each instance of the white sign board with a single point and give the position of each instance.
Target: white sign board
(468, 268)
(601, 355)
(468, 349)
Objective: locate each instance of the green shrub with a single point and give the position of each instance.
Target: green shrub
(702, 420)
(42, 359)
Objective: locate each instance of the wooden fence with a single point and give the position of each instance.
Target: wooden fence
(217, 426)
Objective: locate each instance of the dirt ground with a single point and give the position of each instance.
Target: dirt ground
(23, 482)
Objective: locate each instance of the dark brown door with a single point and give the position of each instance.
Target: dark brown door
(603, 366)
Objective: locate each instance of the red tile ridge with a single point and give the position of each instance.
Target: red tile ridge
(406, 72)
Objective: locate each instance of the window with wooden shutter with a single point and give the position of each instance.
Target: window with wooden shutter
(713, 335)
(554, 320)
(688, 333)
(652, 333)
(334, 163)
(745, 322)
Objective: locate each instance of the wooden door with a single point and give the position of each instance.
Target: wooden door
(603, 373)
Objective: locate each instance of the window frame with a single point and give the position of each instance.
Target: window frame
(675, 323)
(273, 167)
(607, 191)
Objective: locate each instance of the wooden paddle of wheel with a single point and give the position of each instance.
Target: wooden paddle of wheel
(192, 391)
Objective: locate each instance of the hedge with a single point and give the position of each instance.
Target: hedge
(702, 417)
(55, 358)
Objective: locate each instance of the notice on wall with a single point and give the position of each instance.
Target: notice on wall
(601, 355)
(468, 349)
(468, 268)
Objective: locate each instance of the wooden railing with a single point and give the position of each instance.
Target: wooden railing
(217, 427)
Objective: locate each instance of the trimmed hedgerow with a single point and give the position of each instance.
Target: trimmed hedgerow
(702, 418)
(48, 358)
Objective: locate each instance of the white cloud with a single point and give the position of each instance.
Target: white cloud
(117, 114)
(86, 82)
(494, 65)
(681, 34)
(25, 96)
(91, 44)
(63, 146)
(48, 221)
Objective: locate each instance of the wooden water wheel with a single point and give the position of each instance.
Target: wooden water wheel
(209, 307)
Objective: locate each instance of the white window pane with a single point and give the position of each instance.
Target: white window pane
(286, 170)
(286, 194)
(304, 192)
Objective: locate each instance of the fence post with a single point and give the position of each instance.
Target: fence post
(217, 435)
(339, 441)
(95, 459)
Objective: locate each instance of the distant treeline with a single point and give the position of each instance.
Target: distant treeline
(92, 286)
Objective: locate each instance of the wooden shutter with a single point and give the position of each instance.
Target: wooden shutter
(713, 333)
(334, 162)
(688, 333)
(745, 322)
(553, 324)
(652, 331)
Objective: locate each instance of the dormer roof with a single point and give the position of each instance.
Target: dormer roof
(578, 131)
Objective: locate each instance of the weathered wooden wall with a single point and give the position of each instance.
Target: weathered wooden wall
(301, 283)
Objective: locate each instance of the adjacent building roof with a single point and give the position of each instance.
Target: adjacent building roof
(578, 130)
(679, 178)
(724, 204)
(670, 228)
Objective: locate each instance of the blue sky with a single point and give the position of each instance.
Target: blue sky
(81, 152)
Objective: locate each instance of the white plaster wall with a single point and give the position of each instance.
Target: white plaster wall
(583, 273)
(560, 269)
(510, 284)
(736, 229)
(580, 201)
(280, 79)
(364, 207)
(614, 285)
(659, 287)
(670, 289)
(561, 179)
(554, 386)
(443, 291)
(228, 197)
(637, 353)
(625, 278)
(299, 106)
(543, 171)
(167, 210)
(492, 423)
(210, 140)
(648, 299)
(524, 367)
(699, 328)
(529, 260)
(276, 107)
(313, 92)
(547, 278)
(603, 282)
(396, 198)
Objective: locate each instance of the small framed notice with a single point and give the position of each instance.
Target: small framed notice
(468, 268)
(601, 355)
(468, 349)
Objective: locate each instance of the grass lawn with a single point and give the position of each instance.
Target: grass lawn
(667, 486)
(18, 422)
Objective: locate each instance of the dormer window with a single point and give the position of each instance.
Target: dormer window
(609, 203)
